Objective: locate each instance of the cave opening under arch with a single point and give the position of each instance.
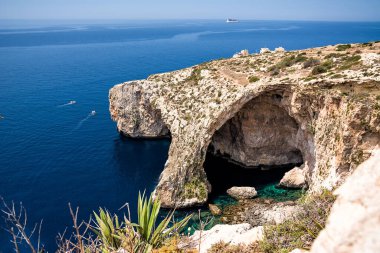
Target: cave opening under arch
(255, 147)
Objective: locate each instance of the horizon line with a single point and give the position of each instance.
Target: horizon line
(174, 19)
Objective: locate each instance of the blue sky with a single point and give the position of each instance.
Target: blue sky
(337, 10)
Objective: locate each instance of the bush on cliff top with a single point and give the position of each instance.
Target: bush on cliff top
(343, 47)
(253, 79)
(302, 229)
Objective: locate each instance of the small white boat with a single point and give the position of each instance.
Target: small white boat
(93, 112)
(72, 102)
(232, 20)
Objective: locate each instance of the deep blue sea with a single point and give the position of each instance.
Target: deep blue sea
(52, 152)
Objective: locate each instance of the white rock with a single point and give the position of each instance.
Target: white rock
(264, 50)
(242, 53)
(354, 223)
(295, 178)
(279, 49)
(299, 251)
(242, 192)
(232, 234)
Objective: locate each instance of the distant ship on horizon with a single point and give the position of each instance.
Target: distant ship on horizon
(232, 20)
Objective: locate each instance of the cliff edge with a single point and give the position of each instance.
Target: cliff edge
(319, 107)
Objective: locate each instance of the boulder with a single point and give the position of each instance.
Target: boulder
(299, 251)
(242, 192)
(232, 234)
(279, 49)
(295, 178)
(264, 50)
(214, 209)
(354, 222)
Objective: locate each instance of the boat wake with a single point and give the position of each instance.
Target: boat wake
(72, 102)
(91, 114)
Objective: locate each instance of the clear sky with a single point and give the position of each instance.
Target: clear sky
(336, 10)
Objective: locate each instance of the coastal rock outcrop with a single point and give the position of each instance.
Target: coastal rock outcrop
(259, 212)
(294, 178)
(318, 106)
(231, 234)
(358, 229)
(242, 192)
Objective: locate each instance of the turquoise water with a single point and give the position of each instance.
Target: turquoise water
(269, 191)
(53, 152)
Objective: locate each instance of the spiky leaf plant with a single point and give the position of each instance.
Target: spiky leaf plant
(147, 211)
(108, 228)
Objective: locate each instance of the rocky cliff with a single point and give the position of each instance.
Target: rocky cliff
(319, 107)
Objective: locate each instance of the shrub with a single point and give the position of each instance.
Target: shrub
(319, 70)
(222, 247)
(350, 61)
(253, 79)
(343, 47)
(327, 64)
(311, 62)
(300, 58)
(302, 229)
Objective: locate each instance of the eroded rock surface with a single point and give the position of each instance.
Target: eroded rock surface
(259, 212)
(242, 192)
(295, 178)
(261, 133)
(354, 223)
(329, 118)
(231, 234)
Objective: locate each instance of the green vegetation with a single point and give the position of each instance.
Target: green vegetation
(195, 189)
(302, 229)
(311, 62)
(287, 62)
(222, 247)
(367, 44)
(253, 79)
(350, 62)
(343, 47)
(153, 236)
(107, 228)
(110, 233)
(144, 236)
(195, 75)
(319, 70)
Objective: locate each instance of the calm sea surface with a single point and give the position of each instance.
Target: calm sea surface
(52, 152)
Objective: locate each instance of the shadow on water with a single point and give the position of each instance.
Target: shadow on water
(223, 175)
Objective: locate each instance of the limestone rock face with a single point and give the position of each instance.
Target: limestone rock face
(331, 121)
(295, 178)
(232, 234)
(242, 192)
(261, 133)
(259, 212)
(135, 117)
(354, 223)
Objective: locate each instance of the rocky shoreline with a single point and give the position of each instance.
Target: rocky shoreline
(317, 106)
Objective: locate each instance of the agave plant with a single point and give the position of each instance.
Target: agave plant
(136, 238)
(147, 211)
(108, 229)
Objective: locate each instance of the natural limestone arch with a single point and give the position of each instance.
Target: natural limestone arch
(185, 184)
(338, 118)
